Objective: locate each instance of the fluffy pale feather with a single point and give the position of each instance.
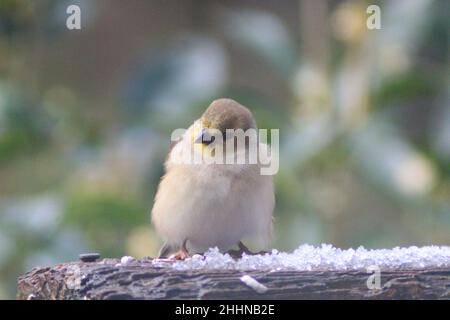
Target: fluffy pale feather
(212, 204)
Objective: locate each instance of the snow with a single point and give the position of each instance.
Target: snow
(253, 283)
(126, 259)
(325, 257)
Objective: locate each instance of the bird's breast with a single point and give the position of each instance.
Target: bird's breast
(209, 205)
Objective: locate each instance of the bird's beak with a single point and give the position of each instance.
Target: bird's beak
(204, 137)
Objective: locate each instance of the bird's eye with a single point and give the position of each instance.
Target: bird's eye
(205, 137)
(207, 140)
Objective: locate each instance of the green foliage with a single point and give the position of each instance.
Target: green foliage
(105, 219)
(409, 86)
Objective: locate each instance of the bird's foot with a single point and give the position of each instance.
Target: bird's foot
(235, 254)
(181, 254)
(243, 249)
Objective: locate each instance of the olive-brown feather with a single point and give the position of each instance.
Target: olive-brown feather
(225, 114)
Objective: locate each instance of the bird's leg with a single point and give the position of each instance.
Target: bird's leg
(181, 254)
(242, 249)
(164, 251)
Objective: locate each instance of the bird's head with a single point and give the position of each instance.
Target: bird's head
(222, 114)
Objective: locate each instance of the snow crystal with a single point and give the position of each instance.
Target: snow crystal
(325, 257)
(254, 284)
(126, 260)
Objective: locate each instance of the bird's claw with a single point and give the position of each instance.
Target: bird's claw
(239, 253)
(179, 255)
(236, 254)
(243, 249)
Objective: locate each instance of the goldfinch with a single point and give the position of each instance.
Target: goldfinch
(199, 205)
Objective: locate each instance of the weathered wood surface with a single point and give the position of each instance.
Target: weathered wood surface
(107, 279)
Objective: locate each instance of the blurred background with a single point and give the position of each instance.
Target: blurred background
(86, 117)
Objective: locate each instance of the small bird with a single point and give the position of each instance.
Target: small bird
(202, 205)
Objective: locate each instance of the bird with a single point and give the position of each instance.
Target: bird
(201, 205)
